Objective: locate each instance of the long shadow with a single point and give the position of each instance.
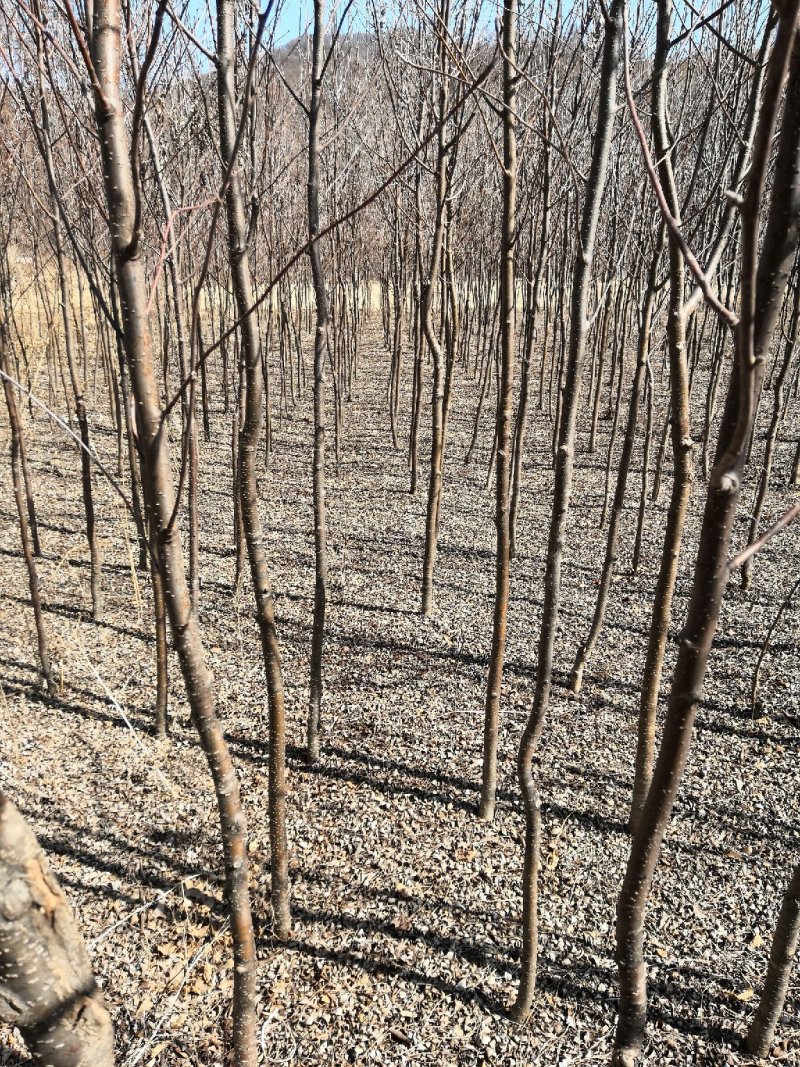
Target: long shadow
(256, 751)
(456, 780)
(222, 553)
(58, 528)
(691, 998)
(565, 983)
(390, 644)
(390, 969)
(383, 609)
(210, 583)
(39, 696)
(726, 729)
(152, 879)
(766, 827)
(687, 804)
(53, 557)
(403, 896)
(19, 686)
(595, 682)
(472, 952)
(613, 624)
(82, 615)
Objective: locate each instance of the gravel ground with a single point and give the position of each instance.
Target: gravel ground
(405, 944)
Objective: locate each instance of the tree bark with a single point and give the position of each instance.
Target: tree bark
(47, 989)
(772, 437)
(784, 948)
(249, 438)
(680, 428)
(431, 337)
(124, 222)
(763, 283)
(27, 549)
(95, 560)
(561, 501)
(614, 526)
(320, 353)
(504, 413)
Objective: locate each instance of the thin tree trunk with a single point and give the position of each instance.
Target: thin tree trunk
(763, 283)
(614, 526)
(524, 388)
(784, 948)
(648, 437)
(249, 438)
(320, 353)
(162, 678)
(683, 461)
(433, 341)
(504, 413)
(561, 500)
(27, 480)
(27, 551)
(124, 219)
(129, 416)
(772, 436)
(95, 559)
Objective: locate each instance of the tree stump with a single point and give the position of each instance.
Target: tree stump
(47, 988)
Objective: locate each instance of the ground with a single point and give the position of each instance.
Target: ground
(405, 940)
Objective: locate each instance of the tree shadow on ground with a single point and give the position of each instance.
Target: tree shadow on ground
(68, 611)
(674, 1002)
(11, 1058)
(256, 751)
(18, 687)
(684, 1007)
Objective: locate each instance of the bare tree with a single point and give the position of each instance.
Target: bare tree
(561, 502)
(24, 530)
(124, 206)
(429, 288)
(69, 340)
(249, 438)
(320, 353)
(504, 412)
(763, 281)
(784, 948)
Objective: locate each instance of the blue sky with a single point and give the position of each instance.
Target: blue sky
(294, 16)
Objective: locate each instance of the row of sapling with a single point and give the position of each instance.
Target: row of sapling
(517, 260)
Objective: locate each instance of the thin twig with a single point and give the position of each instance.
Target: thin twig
(755, 546)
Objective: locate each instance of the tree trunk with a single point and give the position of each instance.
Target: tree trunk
(431, 337)
(772, 436)
(763, 284)
(27, 550)
(320, 353)
(248, 449)
(614, 526)
(504, 412)
(47, 989)
(95, 560)
(683, 463)
(124, 217)
(561, 501)
(784, 948)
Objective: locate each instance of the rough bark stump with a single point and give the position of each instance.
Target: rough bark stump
(47, 989)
